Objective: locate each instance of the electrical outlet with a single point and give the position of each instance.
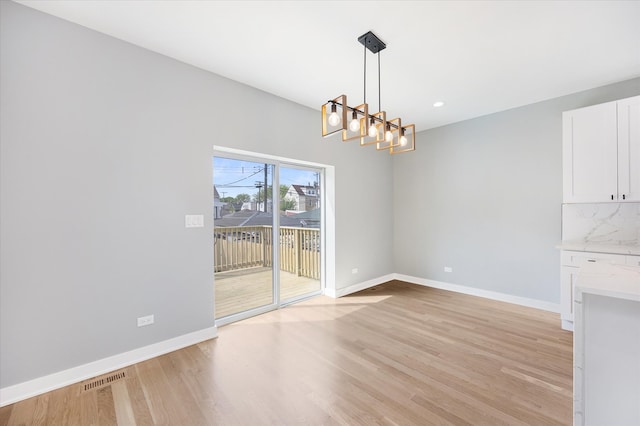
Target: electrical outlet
(354, 271)
(144, 321)
(448, 269)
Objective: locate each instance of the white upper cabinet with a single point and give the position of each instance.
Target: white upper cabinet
(601, 152)
(629, 149)
(590, 154)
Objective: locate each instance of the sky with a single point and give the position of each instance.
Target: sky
(232, 177)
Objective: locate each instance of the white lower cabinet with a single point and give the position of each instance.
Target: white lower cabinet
(567, 279)
(606, 346)
(571, 261)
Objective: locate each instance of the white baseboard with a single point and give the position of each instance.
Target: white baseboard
(24, 390)
(502, 297)
(335, 293)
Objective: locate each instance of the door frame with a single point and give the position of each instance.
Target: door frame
(327, 226)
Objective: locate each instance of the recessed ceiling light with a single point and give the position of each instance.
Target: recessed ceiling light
(438, 104)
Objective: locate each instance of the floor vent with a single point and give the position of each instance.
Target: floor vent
(102, 381)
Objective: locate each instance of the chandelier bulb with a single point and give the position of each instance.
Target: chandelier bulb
(403, 138)
(334, 118)
(354, 125)
(373, 130)
(388, 136)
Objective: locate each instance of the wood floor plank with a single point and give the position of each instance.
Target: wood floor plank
(88, 402)
(122, 404)
(186, 408)
(22, 414)
(63, 408)
(138, 399)
(395, 354)
(5, 413)
(40, 411)
(163, 394)
(106, 410)
(32, 412)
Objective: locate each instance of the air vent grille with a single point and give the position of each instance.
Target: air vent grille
(102, 381)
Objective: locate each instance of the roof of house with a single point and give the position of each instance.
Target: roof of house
(215, 192)
(254, 218)
(309, 215)
(300, 189)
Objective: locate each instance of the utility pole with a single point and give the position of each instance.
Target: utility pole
(258, 185)
(265, 188)
(317, 185)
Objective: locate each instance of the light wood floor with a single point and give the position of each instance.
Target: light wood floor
(244, 289)
(396, 354)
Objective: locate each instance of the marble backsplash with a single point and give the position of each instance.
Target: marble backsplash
(606, 223)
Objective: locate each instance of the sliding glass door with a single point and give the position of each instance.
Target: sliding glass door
(300, 242)
(243, 236)
(252, 237)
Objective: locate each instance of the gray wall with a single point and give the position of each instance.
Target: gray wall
(484, 197)
(104, 148)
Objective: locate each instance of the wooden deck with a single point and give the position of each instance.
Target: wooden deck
(243, 289)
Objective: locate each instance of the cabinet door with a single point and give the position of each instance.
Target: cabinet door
(567, 285)
(589, 154)
(629, 149)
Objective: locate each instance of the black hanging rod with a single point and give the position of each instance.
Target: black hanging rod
(348, 108)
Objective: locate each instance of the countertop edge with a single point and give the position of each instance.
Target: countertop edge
(599, 248)
(617, 281)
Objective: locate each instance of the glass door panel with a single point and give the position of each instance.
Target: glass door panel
(299, 232)
(243, 236)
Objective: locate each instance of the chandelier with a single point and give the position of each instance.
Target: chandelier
(369, 128)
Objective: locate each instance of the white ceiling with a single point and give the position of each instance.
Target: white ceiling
(479, 57)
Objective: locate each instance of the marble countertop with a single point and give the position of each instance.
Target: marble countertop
(603, 279)
(630, 249)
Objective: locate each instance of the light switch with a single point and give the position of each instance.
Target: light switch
(194, 221)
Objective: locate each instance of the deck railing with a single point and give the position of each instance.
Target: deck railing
(240, 247)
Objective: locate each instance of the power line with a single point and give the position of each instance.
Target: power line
(226, 185)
